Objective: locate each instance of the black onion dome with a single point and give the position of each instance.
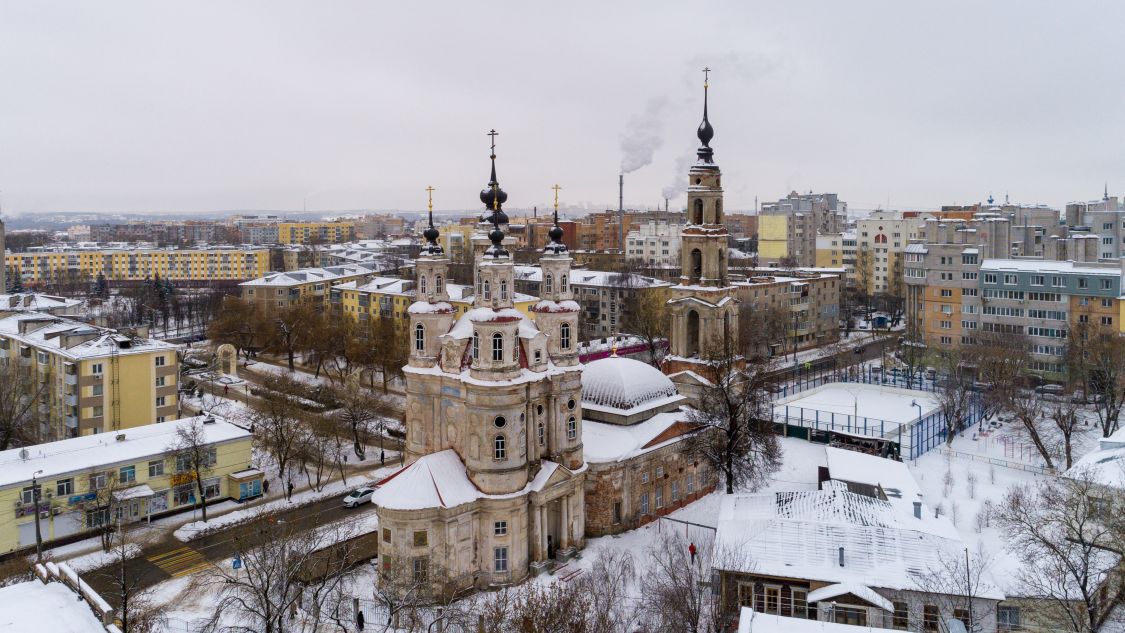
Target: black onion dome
(556, 233)
(705, 132)
(431, 234)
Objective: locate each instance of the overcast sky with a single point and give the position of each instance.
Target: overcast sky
(206, 106)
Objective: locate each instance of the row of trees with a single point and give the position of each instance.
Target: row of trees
(334, 344)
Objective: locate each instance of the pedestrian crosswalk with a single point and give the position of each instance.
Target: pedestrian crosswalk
(180, 561)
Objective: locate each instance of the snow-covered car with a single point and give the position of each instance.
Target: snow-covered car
(358, 496)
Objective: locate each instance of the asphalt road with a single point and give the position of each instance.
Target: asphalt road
(171, 558)
(871, 350)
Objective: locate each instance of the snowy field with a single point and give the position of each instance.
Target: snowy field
(859, 399)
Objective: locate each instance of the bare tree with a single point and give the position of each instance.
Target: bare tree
(1064, 416)
(760, 329)
(239, 323)
(195, 458)
(676, 589)
(736, 435)
(1067, 535)
(288, 580)
(290, 330)
(360, 409)
(277, 424)
(20, 394)
(1096, 356)
(132, 585)
(954, 393)
(644, 314)
(960, 584)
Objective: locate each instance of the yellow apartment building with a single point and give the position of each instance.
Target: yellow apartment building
(90, 379)
(390, 297)
(280, 290)
(88, 482)
(187, 265)
(315, 232)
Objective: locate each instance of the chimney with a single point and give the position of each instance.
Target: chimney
(841, 557)
(917, 509)
(621, 212)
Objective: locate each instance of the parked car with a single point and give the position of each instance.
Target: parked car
(1056, 390)
(859, 349)
(982, 387)
(358, 496)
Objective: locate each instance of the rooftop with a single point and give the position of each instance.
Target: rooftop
(624, 385)
(876, 402)
(309, 275)
(92, 451)
(58, 334)
(34, 606)
(1050, 266)
(599, 278)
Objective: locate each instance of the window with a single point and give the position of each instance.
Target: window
(963, 616)
(64, 487)
(644, 503)
(159, 381)
(659, 472)
(929, 617)
(1083, 282)
(43, 357)
(800, 603)
(675, 491)
(990, 278)
(547, 283)
(901, 618)
(644, 477)
(96, 369)
(1107, 320)
(659, 496)
(97, 518)
(27, 495)
(487, 290)
(499, 422)
(500, 528)
(1011, 280)
(96, 390)
(1057, 281)
(160, 400)
(1008, 618)
(499, 451)
(1038, 280)
(476, 346)
(156, 468)
(419, 337)
(439, 284)
(850, 615)
(159, 361)
(690, 483)
(571, 428)
(97, 481)
(421, 569)
(386, 535)
(542, 434)
(516, 348)
(421, 538)
(946, 292)
(422, 284)
(503, 289)
(564, 336)
(500, 558)
(773, 600)
(1105, 284)
(497, 347)
(211, 488)
(127, 474)
(1107, 303)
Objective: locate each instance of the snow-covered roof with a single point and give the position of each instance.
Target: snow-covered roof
(751, 621)
(88, 452)
(798, 534)
(863, 592)
(606, 443)
(49, 335)
(892, 476)
(311, 275)
(36, 301)
(626, 386)
(1104, 465)
(440, 480)
(601, 278)
(35, 606)
(1049, 266)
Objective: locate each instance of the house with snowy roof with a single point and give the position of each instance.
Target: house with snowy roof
(845, 557)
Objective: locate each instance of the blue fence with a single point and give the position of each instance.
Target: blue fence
(911, 439)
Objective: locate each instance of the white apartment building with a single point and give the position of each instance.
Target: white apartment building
(654, 244)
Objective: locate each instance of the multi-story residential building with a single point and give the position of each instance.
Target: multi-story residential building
(4, 263)
(809, 299)
(37, 302)
(86, 483)
(604, 297)
(653, 245)
(135, 265)
(787, 229)
(881, 239)
(258, 233)
(1104, 218)
(90, 379)
(379, 226)
(382, 297)
(281, 290)
(315, 232)
(837, 250)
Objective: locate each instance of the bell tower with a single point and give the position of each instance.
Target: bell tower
(703, 307)
(431, 315)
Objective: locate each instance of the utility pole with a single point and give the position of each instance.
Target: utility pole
(35, 501)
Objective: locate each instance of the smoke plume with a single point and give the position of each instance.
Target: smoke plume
(679, 178)
(642, 137)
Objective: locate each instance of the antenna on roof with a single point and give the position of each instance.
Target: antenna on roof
(24, 454)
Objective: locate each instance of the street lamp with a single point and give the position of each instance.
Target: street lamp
(35, 502)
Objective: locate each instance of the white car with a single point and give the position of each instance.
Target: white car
(358, 496)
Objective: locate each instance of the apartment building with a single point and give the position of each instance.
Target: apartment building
(1103, 218)
(787, 229)
(603, 296)
(653, 245)
(124, 264)
(85, 483)
(315, 232)
(90, 379)
(837, 250)
(281, 290)
(379, 226)
(881, 240)
(809, 300)
(383, 297)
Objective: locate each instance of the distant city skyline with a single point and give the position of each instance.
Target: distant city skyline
(133, 107)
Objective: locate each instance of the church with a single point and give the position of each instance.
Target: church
(515, 452)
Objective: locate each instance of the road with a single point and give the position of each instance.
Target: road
(171, 558)
(846, 358)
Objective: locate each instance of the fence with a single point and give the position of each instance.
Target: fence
(996, 461)
(918, 437)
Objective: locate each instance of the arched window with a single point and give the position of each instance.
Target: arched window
(487, 290)
(718, 212)
(478, 285)
(572, 428)
(497, 347)
(562, 283)
(439, 284)
(564, 336)
(542, 434)
(516, 348)
(419, 337)
(696, 264)
(697, 212)
(547, 283)
(422, 284)
(476, 346)
(499, 448)
(503, 289)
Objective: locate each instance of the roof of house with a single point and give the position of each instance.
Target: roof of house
(799, 534)
(35, 606)
(102, 342)
(602, 278)
(750, 621)
(311, 275)
(87, 452)
(606, 443)
(1049, 266)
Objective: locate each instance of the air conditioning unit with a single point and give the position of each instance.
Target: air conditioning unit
(44, 514)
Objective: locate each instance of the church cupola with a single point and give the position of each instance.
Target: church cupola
(432, 266)
(431, 315)
(557, 312)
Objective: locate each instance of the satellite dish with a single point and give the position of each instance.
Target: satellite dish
(24, 454)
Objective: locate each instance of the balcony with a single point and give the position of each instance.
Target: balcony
(70, 378)
(72, 421)
(71, 399)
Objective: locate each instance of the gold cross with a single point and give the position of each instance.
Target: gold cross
(706, 76)
(556, 188)
(430, 190)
